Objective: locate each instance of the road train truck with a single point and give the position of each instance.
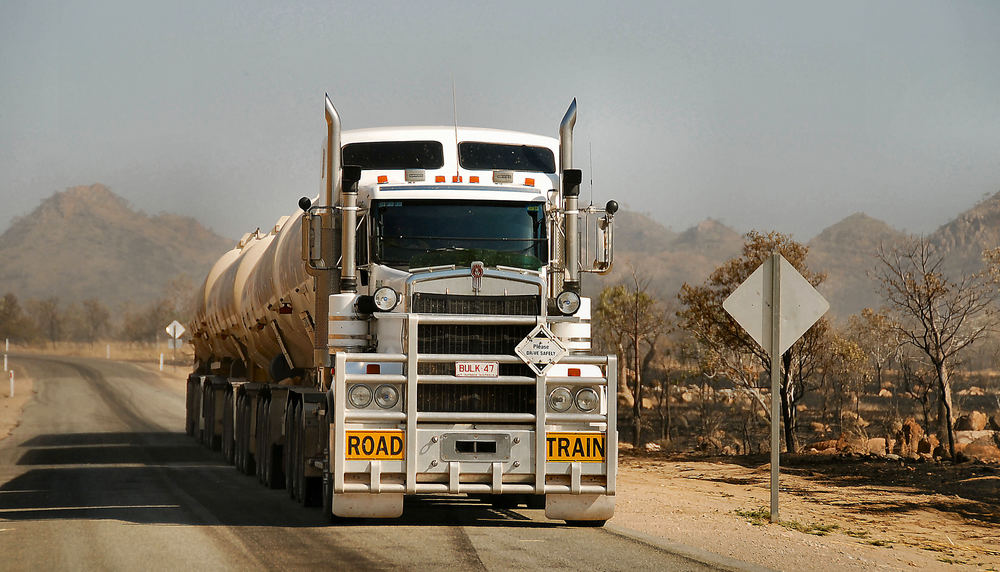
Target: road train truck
(417, 329)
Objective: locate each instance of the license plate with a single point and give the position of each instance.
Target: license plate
(477, 369)
(585, 447)
(374, 445)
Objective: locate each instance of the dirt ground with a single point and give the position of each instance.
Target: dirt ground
(836, 513)
(847, 513)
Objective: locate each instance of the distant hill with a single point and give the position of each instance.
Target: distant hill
(663, 259)
(964, 238)
(87, 242)
(846, 252)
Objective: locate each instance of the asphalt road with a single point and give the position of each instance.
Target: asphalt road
(100, 475)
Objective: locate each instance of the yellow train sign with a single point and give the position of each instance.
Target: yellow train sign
(576, 446)
(374, 445)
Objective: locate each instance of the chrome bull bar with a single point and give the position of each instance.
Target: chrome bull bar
(410, 417)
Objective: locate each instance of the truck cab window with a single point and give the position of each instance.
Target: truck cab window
(395, 155)
(492, 156)
(418, 233)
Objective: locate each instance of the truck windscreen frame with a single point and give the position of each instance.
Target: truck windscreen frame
(392, 155)
(479, 156)
(420, 233)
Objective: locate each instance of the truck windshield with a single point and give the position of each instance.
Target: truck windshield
(419, 233)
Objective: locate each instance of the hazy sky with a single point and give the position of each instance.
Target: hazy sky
(784, 115)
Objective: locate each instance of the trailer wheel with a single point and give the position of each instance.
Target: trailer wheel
(261, 434)
(288, 453)
(227, 426)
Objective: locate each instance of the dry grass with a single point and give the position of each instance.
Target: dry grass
(122, 351)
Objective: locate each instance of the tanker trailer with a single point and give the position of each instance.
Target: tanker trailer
(417, 329)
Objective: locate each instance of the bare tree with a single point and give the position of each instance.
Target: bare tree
(47, 319)
(14, 324)
(875, 334)
(96, 320)
(728, 350)
(938, 315)
(633, 321)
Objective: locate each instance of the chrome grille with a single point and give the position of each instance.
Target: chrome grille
(485, 339)
(494, 305)
(476, 398)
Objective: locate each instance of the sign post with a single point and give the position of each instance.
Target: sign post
(175, 330)
(775, 305)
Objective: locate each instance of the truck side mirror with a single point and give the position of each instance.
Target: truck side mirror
(602, 223)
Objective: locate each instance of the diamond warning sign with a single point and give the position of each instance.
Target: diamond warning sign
(540, 349)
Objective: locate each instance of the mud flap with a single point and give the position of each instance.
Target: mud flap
(579, 507)
(365, 505)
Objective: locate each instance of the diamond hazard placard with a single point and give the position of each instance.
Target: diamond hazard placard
(540, 349)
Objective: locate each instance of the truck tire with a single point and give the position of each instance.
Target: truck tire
(327, 504)
(311, 487)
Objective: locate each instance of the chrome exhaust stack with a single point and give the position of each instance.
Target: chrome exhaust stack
(570, 182)
(333, 158)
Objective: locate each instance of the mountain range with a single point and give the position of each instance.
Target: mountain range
(663, 260)
(87, 242)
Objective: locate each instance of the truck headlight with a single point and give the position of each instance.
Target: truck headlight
(587, 400)
(386, 396)
(385, 299)
(560, 399)
(567, 302)
(359, 396)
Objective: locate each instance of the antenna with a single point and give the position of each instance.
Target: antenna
(454, 103)
(590, 144)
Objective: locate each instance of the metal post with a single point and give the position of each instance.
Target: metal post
(775, 381)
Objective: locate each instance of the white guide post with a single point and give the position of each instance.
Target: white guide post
(12, 383)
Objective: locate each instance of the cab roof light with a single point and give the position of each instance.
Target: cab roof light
(382, 179)
(439, 179)
(373, 369)
(574, 372)
(456, 178)
(474, 179)
(529, 182)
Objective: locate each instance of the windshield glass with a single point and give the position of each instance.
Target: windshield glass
(419, 233)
